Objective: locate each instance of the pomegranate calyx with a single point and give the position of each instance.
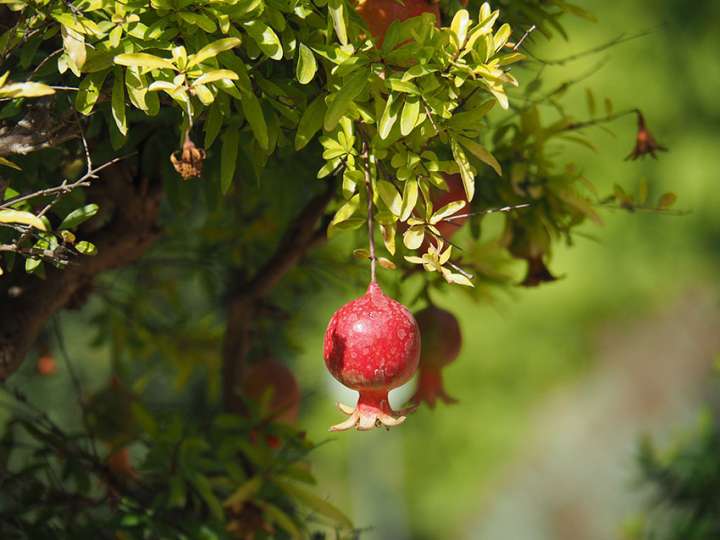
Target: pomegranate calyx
(372, 411)
(430, 389)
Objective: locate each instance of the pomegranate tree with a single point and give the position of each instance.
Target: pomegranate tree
(274, 378)
(441, 344)
(372, 345)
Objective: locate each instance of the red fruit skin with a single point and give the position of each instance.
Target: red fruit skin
(379, 14)
(372, 345)
(271, 375)
(441, 345)
(46, 365)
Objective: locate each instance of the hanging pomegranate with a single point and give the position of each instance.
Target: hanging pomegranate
(441, 344)
(372, 345)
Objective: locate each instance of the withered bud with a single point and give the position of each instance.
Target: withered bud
(644, 142)
(537, 272)
(188, 162)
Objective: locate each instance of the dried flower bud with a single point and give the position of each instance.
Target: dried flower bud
(644, 142)
(189, 162)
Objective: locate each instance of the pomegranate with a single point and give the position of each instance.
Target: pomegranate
(46, 365)
(441, 344)
(379, 14)
(273, 376)
(372, 345)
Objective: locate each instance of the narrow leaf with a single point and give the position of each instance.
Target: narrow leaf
(78, 216)
(310, 123)
(480, 152)
(306, 65)
(410, 113)
(118, 101)
(213, 49)
(344, 97)
(24, 218)
(143, 60)
(228, 158)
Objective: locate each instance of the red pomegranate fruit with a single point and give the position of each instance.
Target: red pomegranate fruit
(272, 376)
(379, 14)
(46, 365)
(372, 345)
(441, 344)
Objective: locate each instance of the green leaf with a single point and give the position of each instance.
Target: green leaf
(337, 14)
(78, 216)
(390, 197)
(8, 163)
(24, 218)
(243, 493)
(281, 519)
(311, 122)
(143, 60)
(118, 101)
(347, 210)
(74, 45)
(471, 119)
(306, 65)
(213, 49)
(466, 173)
(202, 484)
(216, 75)
(213, 123)
(410, 198)
(350, 89)
(389, 116)
(447, 211)
(266, 39)
(86, 248)
(410, 114)
(26, 90)
(501, 36)
(198, 19)
(137, 87)
(313, 502)
(459, 26)
(480, 152)
(228, 158)
(89, 91)
(255, 117)
(414, 236)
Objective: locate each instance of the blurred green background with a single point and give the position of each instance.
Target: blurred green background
(557, 384)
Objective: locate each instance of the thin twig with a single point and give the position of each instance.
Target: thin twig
(524, 37)
(489, 211)
(371, 226)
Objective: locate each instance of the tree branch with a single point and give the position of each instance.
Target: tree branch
(246, 295)
(39, 128)
(26, 302)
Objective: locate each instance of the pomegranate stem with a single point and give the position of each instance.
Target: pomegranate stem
(371, 226)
